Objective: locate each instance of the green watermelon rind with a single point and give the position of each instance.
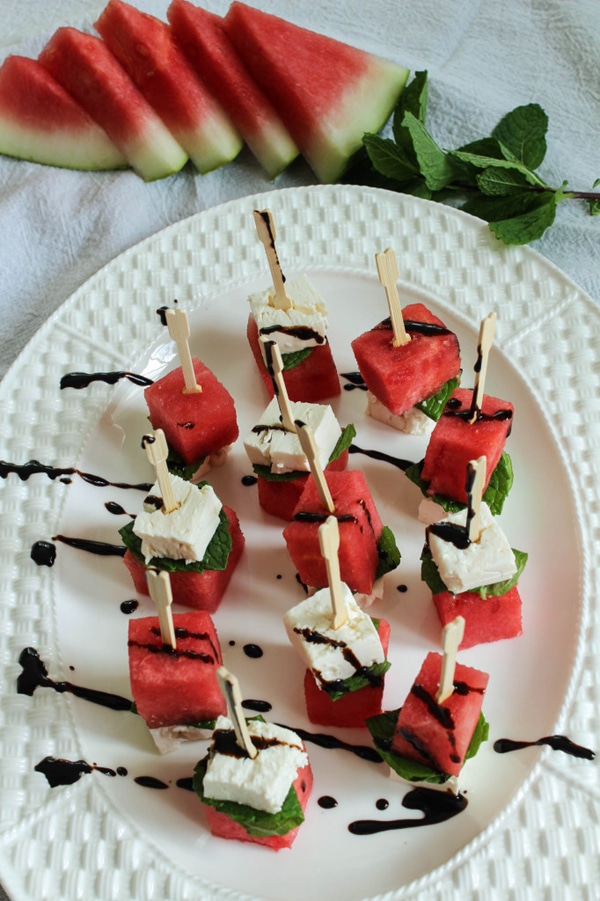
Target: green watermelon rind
(501, 481)
(431, 576)
(382, 728)
(343, 443)
(215, 558)
(433, 406)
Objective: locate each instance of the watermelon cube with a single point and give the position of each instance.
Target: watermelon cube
(279, 497)
(455, 441)
(204, 41)
(147, 50)
(438, 735)
(489, 619)
(352, 709)
(178, 686)
(327, 93)
(360, 528)
(85, 67)
(401, 377)
(199, 590)
(196, 426)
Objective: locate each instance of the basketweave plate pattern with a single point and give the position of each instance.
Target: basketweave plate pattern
(72, 843)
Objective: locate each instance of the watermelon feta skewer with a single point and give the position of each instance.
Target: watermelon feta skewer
(343, 648)
(327, 93)
(256, 780)
(295, 316)
(204, 41)
(41, 122)
(87, 70)
(410, 362)
(148, 52)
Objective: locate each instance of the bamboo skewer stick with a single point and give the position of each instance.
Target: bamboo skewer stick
(265, 228)
(179, 330)
(387, 270)
(157, 451)
(329, 542)
(233, 698)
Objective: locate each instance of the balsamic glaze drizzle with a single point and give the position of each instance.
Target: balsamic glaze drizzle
(80, 380)
(556, 742)
(33, 467)
(437, 807)
(35, 675)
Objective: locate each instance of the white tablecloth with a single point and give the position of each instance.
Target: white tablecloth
(484, 57)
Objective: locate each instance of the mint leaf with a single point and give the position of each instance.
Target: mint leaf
(528, 226)
(523, 133)
(431, 576)
(177, 466)
(343, 443)
(413, 99)
(389, 555)
(360, 680)
(496, 180)
(499, 588)
(485, 162)
(495, 208)
(594, 203)
(495, 494)
(388, 159)
(295, 357)
(436, 166)
(433, 406)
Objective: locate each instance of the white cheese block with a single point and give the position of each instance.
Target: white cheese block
(413, 422)
(170, 738)
(185, 533)
(482, 562)
(262, 782)
(321, 647)
(308, 311)
(274, 446)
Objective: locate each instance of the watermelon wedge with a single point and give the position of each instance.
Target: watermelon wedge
(490, 619)
(147, 50)
(327, 93)
(40, 122)
(87, 70)
(203, 39)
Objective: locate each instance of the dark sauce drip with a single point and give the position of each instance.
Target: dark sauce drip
(556, 742)
(313, 637)
(179, 652)
(402, 588)
(80, 380)
(162, 313)
(426, 329)
(226, 743)
(452, 532)
(33, 467)
(65, 772)
(355, 381)
(264, 215)
(382, 804)
(274, 427)
(323, 740)
(301, 332)
(129, 607)
(437, 807)
(43, 553)
(99, 548)
(327, 802)
(187, 783)
(117, 509)
(454, 408)
(306, 516)
(150, 782)
(153, 500)
(253, 650)
(380, 455)
(256, 705)
(35, 675)
(247, 481)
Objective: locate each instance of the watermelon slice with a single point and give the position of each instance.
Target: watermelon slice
(403, 376)
(199, 590)
(209, 51)
(40, 122)
(353, 708)
(327, 93)
(196, 426)
(438, 735)
(175, 687)
(147, 50)
(88, 71)
(489, 619)
(455, 441)
(360, 528)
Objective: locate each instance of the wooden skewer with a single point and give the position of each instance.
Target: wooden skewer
(179, 330)
(476, 470)
(452, 635)
(159, 586)
(307, 443)
(265, 228)
(484, 345)
(156, 448)
(233, 698)
(387, 269)
(329, 542)
(274, 364)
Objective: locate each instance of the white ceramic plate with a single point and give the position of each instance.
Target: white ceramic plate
(105, 837)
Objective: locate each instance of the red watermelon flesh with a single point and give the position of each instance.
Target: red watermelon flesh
(352, 709)
(209, 51)
(87, 70)
(360, 527)
(195, 425)
(454, 442)
(327, 93)
(147, 50)
(41, 122)
(438, 735)
(224, 827)
(201, 591)
(486, 620)
(401, 377)
(175, 687)
(313, 380)
(280, 498)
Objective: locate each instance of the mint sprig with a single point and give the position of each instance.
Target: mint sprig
(495, 176)
(430, 574)
(499, 485)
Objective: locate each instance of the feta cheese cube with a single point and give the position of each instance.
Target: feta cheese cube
(263, 782)
(333, 654)
(482, 562)
(269, 444)
(303, 325)
(185, 533)
(413, 422)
